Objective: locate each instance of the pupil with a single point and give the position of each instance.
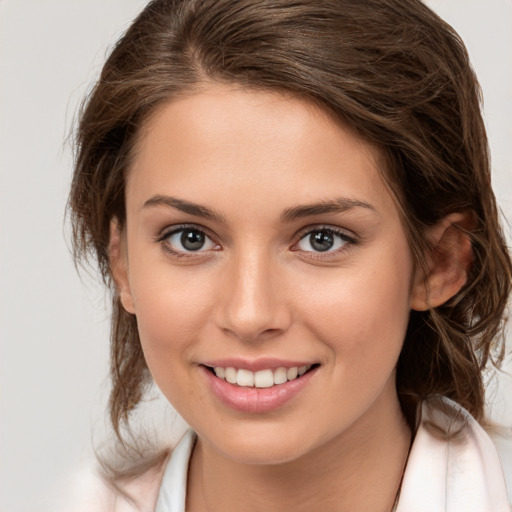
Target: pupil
(321, 241)
(192, 240)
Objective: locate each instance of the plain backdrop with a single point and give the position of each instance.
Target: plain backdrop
(54, 325)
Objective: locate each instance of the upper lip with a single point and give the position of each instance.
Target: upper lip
(264, 363)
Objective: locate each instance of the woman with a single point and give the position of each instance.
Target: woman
(292, 203)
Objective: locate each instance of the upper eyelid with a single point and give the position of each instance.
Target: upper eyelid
(327, 227)
(176, 228)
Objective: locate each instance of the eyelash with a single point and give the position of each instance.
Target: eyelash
(348, 240)
(166, 234)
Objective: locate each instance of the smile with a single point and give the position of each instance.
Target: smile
(264, 388)
(261, 379)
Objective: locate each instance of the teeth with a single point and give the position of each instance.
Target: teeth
(292, 373)
(245, 378)
(262, 378)
(231, 375)
(220, 372)
(280, 376)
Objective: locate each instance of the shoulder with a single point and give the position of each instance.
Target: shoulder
(503, 443)
(453, 464)
(89, 492)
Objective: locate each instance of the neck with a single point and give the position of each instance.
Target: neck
(357, 471)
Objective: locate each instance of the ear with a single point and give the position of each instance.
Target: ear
(119, 265)
(448, 264)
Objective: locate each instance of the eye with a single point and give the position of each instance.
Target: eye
(188, 240)
(324, 240)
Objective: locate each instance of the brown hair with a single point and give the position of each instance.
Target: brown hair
(393, 71)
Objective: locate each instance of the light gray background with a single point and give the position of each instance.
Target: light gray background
(53, 327)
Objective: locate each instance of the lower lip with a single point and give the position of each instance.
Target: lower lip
(256, 400)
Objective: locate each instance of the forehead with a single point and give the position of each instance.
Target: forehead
(222, 141)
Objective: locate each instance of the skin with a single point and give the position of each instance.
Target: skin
(259, 289)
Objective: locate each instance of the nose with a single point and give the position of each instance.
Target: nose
(252, 302)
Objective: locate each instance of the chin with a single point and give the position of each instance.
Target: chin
(264, 452)
(262, 444)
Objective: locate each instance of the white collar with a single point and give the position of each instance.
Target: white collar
(453, 466)
(172, 494)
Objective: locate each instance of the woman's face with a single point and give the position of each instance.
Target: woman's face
(261, 239)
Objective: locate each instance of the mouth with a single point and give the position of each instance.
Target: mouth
(256, 387)
(265, 378)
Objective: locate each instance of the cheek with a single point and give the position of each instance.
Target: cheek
(171, 309)
(362, 315)
(170, 316)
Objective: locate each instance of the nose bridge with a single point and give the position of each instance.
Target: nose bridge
(251, 306)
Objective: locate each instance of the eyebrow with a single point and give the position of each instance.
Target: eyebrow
(184, 206)
(339, 205)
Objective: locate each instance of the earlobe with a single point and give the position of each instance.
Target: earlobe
(119, 266)
(449, 262)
